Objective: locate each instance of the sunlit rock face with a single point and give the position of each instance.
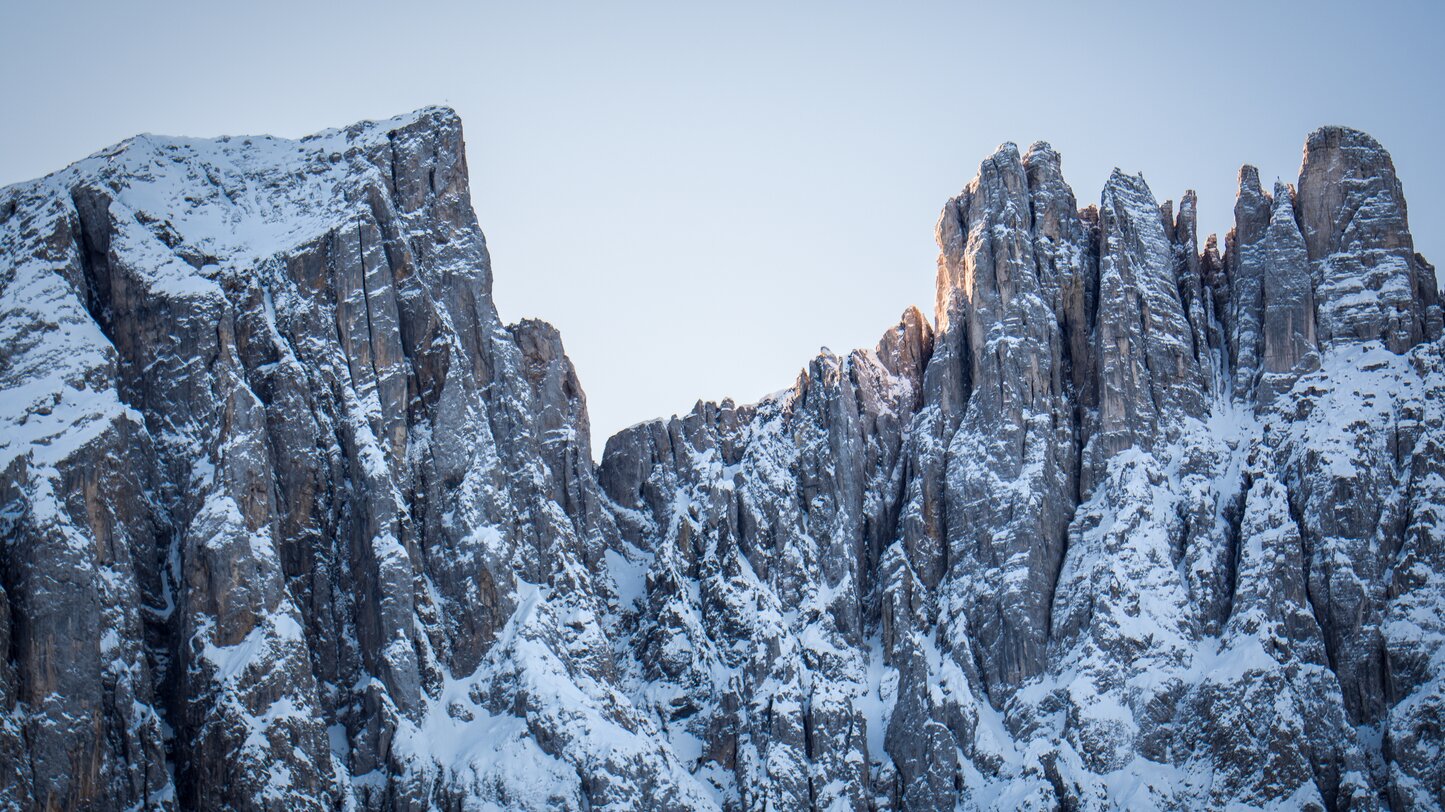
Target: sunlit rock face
(292, 519)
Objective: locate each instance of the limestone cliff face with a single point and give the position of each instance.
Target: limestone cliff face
(1147, 515)
(292, 519)
(283, 493)
(1371, 284)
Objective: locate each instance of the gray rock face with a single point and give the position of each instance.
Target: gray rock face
(1199, 291)
(291, 518)
(1010, 469)
(282, 491)
(1149, 375)
(1271, 319)
(1370, 284)
(767, 525)
(1245, 262)
(1289, 324)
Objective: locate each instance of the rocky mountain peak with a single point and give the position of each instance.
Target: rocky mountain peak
(1351, 211)
(290, 518)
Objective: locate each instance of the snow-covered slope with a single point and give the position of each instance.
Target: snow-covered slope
(291, 519)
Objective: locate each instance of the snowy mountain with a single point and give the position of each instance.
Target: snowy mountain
(292, 520)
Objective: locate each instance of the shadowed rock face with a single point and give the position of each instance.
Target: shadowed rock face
(292, 519)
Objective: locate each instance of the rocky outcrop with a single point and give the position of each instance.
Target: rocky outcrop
(1149, 375)
(1105, 561)
(278, 479)
(291, 518)
(1010, 469)
(1290, 343)
(1370, 283)
(766, 525)
(1244, 258)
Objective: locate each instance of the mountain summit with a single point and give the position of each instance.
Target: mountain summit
(291, 519)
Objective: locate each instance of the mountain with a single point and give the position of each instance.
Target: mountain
(292, 519)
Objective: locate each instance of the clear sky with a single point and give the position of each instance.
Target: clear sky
(701, 195)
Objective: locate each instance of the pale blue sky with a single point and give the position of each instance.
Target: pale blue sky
(701, 196)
